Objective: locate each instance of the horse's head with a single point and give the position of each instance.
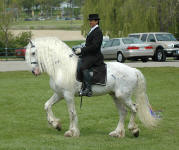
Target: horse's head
(31, 58)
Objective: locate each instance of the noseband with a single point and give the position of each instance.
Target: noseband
(34, 63)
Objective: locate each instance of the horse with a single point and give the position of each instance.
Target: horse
(51, 55)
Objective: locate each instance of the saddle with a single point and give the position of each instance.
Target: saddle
(98, 74)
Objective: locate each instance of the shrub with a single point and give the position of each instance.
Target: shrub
(14, 42)
(22, 39)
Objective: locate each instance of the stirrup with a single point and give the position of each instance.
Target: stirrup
(80, 92)
(85, 92)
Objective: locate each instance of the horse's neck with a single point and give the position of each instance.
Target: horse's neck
(65, 68)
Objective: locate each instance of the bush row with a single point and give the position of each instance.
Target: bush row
(14, 42)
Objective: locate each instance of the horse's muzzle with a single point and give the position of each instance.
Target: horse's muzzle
(36, 72)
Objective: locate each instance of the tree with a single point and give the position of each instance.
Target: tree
(120, 17)
(6, 18)
(177, 20)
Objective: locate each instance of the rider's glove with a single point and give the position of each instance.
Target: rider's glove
(78, 51)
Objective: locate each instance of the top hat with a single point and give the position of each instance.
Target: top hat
(93, 17)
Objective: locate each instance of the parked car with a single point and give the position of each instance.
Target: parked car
(165, 44)
(28, 19)
(105, 38)
(20, 53)
(127, 48)
(41, 19)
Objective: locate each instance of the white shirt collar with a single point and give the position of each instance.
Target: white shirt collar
(93, 28)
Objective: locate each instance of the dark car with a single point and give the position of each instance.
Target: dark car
(28, 19)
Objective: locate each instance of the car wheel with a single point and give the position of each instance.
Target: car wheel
(120, 57)
(160, 55)
(145, 59)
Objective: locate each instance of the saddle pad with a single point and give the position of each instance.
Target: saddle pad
(98, 73)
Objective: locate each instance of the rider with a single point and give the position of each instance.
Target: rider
(90, 54)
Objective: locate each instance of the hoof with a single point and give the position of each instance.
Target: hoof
(59, 127)
(120, 134)
(68, 134)
(72, 133)
(136, 134)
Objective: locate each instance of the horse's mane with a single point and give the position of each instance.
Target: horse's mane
(55, 56)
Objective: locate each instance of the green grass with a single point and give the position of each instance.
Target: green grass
(23, 124)
(48, 24)
(73, 43)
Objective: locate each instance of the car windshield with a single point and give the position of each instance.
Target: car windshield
(165, 37)
(131, 41)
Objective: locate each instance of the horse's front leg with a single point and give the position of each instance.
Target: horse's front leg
(73, 129)
(50, 116)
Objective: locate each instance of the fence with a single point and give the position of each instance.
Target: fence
(12, 54)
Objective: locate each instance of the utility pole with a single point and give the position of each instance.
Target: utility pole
(72, 11)
(6, 34)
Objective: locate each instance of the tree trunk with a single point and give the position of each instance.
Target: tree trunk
(159, 10)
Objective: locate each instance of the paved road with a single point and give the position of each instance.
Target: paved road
(22, 66)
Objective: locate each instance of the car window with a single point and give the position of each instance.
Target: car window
(116, 42)
(131, 41)
(108, 43)
(151, 38)
(165, 37)
(143, 38)
(135, 36)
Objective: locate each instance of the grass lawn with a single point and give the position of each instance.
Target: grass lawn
(48, 24)
(23, 124)
(73, 43)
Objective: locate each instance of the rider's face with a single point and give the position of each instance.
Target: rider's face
(92, 23)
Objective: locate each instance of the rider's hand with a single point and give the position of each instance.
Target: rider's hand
(78, 51)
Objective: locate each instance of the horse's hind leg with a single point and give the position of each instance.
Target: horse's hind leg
(119, 131)
(50, 116)
(132, 126)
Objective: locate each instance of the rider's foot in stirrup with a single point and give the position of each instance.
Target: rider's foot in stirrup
(80, 92)
(87, 92)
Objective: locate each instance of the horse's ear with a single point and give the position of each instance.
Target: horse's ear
(32, 45)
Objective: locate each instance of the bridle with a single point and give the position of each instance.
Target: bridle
(32, 62)
(32, 45)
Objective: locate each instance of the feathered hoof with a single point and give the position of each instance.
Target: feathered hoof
(56, 125)
(59, 127)
(72, 133)
(136, 133)
(119, 134)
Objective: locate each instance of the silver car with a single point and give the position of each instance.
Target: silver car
(127, 48)
(165, 44)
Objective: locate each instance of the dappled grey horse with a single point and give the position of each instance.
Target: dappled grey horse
(54, 57)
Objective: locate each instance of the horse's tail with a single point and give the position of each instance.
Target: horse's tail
(144, 110)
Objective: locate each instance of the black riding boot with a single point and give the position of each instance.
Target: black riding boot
(87, 83)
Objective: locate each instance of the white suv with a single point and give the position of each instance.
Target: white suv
(165, 44)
